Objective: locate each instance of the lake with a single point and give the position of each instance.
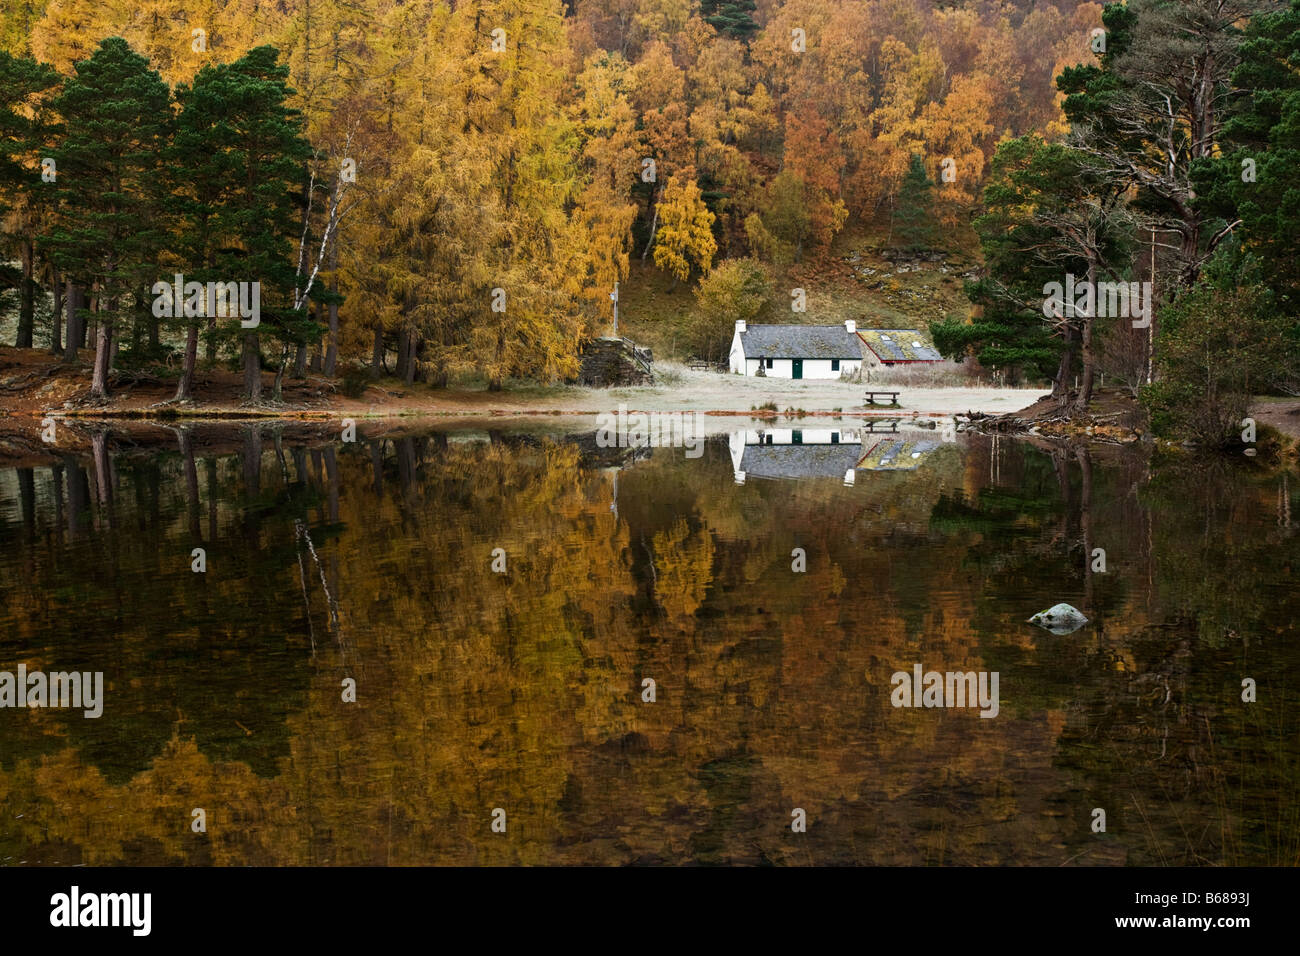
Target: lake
(517, 646)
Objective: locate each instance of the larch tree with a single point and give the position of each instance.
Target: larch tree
(26, 127)
(685, 240)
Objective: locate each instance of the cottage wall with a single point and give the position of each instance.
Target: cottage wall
(812, 368)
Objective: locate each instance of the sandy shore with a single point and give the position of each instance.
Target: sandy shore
(713, 392)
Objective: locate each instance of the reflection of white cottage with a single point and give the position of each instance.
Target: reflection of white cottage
(795, 453)
(796, 351)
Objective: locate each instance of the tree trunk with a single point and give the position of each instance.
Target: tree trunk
(377, 353)
(27, 298)
(185, 390)
(332, 346)
(411, 345)
(279, 372)
(494, 383)
(210, 351)
(252, 368)
(1082, 400)
(401, 354)
(654, 224)
(300, 361)
(103, 348)
(73, 303)
(1061, 384)
(56, 332)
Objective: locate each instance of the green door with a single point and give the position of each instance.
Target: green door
(796, 366)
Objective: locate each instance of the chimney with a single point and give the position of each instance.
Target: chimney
(851, 325)
(740, 325)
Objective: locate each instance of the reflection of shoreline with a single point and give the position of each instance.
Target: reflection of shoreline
(21, 445)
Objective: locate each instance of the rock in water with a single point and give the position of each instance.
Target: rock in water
(1060, 619)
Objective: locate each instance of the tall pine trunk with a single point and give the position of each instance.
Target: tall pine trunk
(185, 390)
(73, 303)
(252, 368)
(56, 332)
(103, 350)
(27, 297)
(277, 385)
(1061, 384)
(1082, 400)
(377, 353)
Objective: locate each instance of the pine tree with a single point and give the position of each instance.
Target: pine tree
(117, 116)
(913, 216)
(734, 19)
(203, 178)
(259, 221)
(1253, 183)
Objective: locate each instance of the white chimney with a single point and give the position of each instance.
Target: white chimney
(851, 325)
(740, 325)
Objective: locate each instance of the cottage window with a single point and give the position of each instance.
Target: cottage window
(769, 363)
(835, 365)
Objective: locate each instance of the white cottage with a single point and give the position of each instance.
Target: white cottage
(796, 351)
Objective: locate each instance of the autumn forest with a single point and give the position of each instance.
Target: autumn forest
(458, 186)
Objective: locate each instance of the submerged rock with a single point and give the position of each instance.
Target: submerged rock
(1060, 619)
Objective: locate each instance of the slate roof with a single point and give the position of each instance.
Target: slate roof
(895, 345)
(897, 454)
(800, 461)
(800, 341)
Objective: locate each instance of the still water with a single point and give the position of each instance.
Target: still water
(769, 588)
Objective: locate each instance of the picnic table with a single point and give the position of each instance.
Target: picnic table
(871, 397)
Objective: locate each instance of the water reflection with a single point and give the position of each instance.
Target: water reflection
(523, 688)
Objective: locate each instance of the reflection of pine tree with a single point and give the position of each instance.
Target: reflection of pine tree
(730, 19)
(913, 216)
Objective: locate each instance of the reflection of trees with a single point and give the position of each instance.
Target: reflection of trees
(522, 690)
(1156, 731)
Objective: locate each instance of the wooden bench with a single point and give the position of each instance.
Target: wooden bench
(871, 397)
(700, 365)
(880, 426)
